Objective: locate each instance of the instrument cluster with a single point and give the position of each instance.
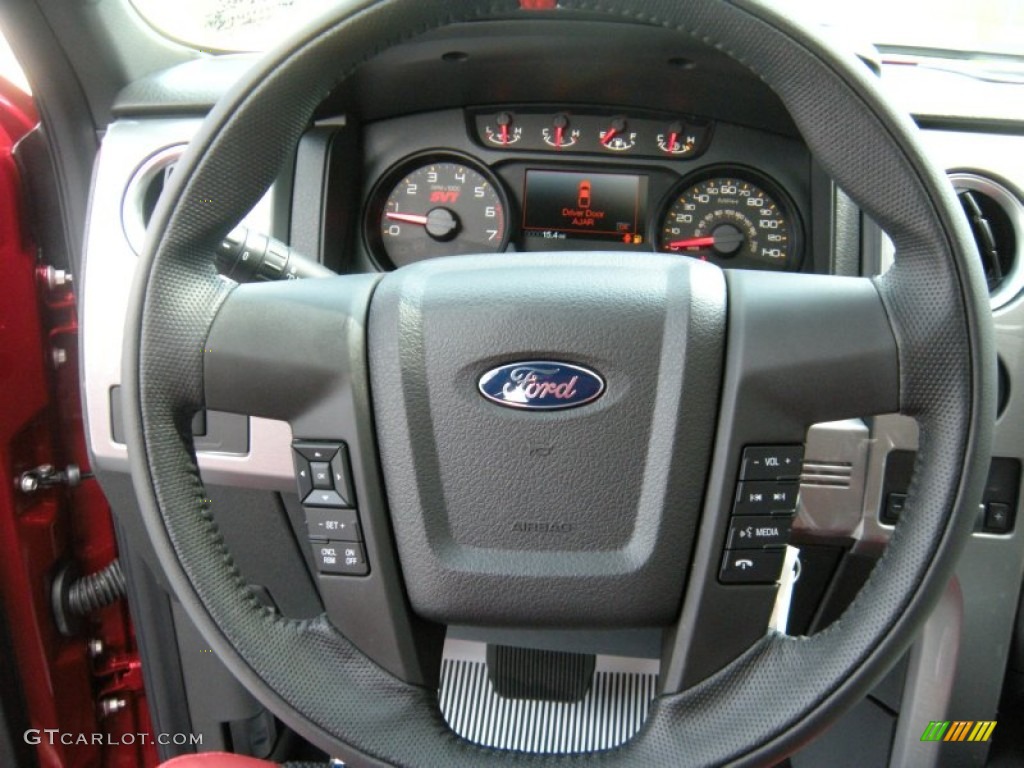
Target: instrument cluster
(546, 188)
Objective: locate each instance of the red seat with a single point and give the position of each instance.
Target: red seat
(216, 760)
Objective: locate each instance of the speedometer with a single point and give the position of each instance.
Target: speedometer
(732, 220)
(436, 206)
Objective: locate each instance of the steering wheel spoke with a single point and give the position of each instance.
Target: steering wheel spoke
(805, 349)
(800, 349)
(296, 351)
(289, 350)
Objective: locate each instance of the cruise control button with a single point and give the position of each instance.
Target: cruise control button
(757, 532)
(772, 462)
(321, 475)
(765, 498)
(753, 566)
(342, 557)
(324, 499)
(339, 524)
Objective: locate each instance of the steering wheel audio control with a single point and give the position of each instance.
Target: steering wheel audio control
(762, 515)
(765, 497)
(323, 476)
(777, 462)
(759, 531)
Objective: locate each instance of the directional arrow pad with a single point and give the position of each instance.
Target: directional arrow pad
(322, 474)
(324, 478)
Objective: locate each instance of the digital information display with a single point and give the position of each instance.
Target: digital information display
(574, 204)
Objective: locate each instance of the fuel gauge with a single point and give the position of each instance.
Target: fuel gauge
(617, 137)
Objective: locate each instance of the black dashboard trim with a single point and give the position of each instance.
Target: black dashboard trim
(970, 124)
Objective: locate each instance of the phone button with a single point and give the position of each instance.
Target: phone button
(751, 566)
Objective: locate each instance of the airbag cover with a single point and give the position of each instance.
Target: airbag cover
(541, 515)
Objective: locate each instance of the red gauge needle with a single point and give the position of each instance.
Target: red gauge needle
(410, 218)
(693, 242)
(609, 135)
(672, 138)
(559, 130)
(504, 133)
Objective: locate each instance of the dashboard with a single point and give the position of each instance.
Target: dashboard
(655, 147)
(637, 150)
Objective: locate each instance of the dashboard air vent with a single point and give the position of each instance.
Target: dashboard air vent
(996, 216)
(143, 191)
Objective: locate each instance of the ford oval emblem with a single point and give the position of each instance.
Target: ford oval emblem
(541, 385)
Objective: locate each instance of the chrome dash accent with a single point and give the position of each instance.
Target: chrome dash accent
(827, 475)
(133, 207)
(612, 712)
(1013, 282)
(136, 150)
(832, 481)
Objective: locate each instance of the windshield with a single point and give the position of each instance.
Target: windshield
(981, 26)
(229, 25)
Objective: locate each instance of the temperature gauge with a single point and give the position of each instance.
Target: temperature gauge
(617, 137)
(560, 134)
(504, 132)
(676, 141)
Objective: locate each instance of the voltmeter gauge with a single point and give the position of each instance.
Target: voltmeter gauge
(429, 206)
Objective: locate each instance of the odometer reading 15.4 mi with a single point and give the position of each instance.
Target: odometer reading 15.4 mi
(730, 221)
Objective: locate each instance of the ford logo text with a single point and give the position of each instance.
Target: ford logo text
(541, 385)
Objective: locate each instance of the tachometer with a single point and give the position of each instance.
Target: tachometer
(436, 206)
(732, 220)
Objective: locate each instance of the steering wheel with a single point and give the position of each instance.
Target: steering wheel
(696, 364)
